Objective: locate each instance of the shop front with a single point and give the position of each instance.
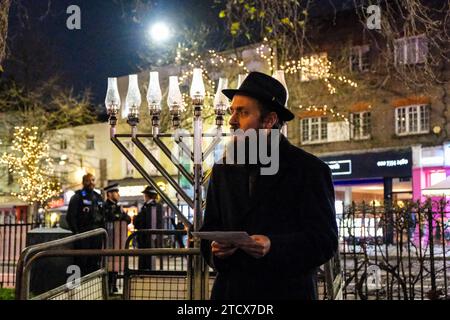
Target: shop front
(372, 177)
(13, 211)
(431, 168)
(431, 175)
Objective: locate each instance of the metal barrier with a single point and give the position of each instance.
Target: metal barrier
(91, 287)
(168, 278)
(28, 253)
(395, 252)
(172, 281)
(161, 235)
(94, 285)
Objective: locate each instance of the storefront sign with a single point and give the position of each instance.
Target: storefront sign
(55, 203)
(392, 163)
(341, 167)
(371, 165)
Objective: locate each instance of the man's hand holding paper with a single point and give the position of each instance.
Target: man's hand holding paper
(225, 243)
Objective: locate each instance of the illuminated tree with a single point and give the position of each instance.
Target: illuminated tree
(29, 162)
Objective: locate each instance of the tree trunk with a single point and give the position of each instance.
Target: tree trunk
(4, 13)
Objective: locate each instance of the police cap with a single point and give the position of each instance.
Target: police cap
(112, 187)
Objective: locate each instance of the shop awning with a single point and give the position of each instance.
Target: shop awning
(439, 189)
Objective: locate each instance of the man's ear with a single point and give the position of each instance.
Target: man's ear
(270, 120)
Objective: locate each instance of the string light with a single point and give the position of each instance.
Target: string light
(30, 163)
(314, 67)
(325, 111)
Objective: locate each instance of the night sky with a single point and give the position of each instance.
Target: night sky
(109, 43)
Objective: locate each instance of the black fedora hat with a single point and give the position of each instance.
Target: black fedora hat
(265, 89)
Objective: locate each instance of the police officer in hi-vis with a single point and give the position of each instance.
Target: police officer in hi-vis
(85, 213)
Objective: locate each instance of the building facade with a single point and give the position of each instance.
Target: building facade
(386, 140)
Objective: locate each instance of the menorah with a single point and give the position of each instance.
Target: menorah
(197, 154)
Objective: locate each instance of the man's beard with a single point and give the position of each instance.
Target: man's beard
(246, 146)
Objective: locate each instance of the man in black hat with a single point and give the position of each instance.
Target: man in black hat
(289, 215)
(149, 217)
(113, 216)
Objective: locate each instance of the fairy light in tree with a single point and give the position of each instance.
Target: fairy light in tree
(212, 59)
(325, 110)
(30, 163)
(314, 67)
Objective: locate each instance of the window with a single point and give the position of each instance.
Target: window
(410, 50)
(359, 58)
(90, 145)
(412, 120)
(63, 144)
(314, 129)
(361, 125)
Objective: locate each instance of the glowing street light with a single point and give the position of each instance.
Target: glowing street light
(160, 32)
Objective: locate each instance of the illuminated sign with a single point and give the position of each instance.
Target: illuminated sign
(55, 203)
(384, 164)
(392, 163)
(340, 167)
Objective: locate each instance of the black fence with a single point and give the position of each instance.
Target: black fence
(386, 253)
(12, 242)
(395, 252)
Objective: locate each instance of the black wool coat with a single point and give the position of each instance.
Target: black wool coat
(294, 208)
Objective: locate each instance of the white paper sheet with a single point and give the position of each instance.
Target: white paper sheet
(236, 238)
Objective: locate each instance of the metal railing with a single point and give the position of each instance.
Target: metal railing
(160, 238)
(12, 242)
(170, 278)
(29, 253)
(395, 253)
(86, 282)
(160, 277)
